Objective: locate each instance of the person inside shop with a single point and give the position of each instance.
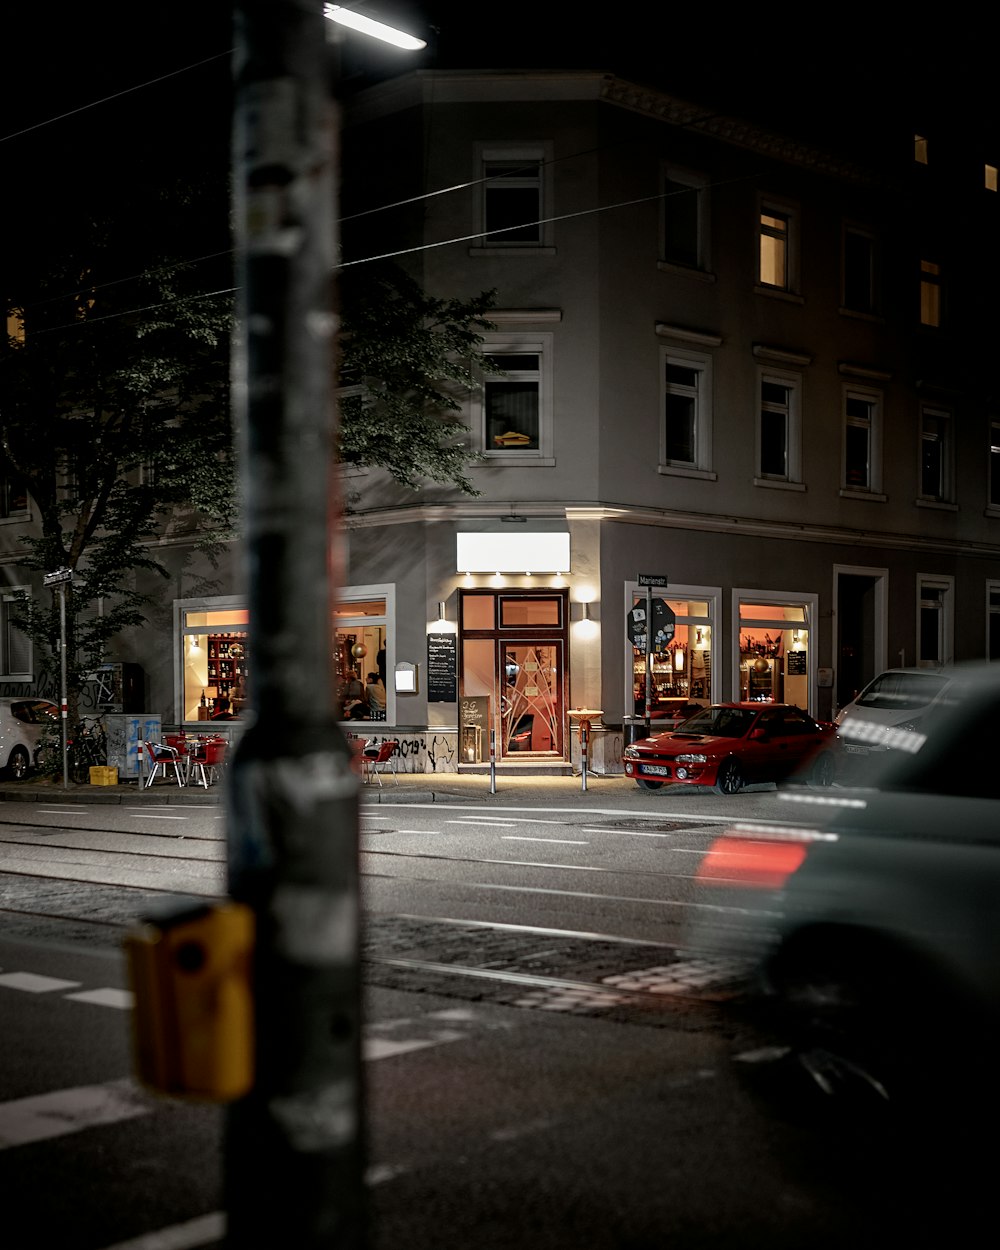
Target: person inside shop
(355, 703)
(375, 691)
(223, 710)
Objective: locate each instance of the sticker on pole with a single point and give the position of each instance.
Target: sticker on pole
(663, 625)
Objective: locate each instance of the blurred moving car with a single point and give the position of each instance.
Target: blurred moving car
(871, 917)
(21, 725)
(899, 698)
(729, 745)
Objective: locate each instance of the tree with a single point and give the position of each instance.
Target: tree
(406, 359)
(114, 414)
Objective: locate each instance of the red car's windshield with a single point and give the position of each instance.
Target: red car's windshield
(723, 722)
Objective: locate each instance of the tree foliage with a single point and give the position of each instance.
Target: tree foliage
(114, 414)
(407, 360)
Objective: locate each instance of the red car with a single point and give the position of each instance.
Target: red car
(729, 745)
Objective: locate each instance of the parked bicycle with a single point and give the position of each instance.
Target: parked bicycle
(86, 748)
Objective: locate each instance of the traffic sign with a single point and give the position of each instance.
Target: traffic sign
(663, 625)
(652, 579)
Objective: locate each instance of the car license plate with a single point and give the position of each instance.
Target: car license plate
(855, 750)
(657, 770)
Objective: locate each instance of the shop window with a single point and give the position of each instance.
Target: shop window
(361, 645)
(215, 661)
(681, 670)
(774, 640)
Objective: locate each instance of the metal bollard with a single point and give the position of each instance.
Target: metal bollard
(584, 750)
(493, 762)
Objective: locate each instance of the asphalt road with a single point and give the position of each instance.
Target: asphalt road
(545, 1064)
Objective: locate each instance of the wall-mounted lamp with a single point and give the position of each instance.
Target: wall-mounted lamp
(441, 612)
(679, 660)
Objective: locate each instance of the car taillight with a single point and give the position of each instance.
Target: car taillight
(750, 860)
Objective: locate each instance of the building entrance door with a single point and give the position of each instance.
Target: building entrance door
(513, 649)
(531, 712)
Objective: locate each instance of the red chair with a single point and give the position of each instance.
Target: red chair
(376, 760)
(208, 761)
(162, 756)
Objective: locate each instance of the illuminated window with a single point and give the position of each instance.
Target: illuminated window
(990, 178)
(920, 149)
(515, 418)
(930, 293)
(773, 250)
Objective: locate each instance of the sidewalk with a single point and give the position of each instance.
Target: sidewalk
(408, 788)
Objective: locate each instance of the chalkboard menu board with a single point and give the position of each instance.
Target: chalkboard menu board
(797, 662)
(441, 668)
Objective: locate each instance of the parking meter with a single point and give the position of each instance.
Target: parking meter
(190, 970)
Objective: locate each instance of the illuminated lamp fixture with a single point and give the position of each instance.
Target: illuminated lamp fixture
(441, 614)
(679, 659)
(368, 26)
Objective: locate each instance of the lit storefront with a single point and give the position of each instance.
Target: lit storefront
(683, 672)
(773, 636)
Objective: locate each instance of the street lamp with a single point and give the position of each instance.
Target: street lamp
(62, 578)
(368, 26)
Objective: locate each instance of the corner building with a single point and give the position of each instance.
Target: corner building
(723, 357)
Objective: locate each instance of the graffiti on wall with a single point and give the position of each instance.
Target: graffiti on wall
(420, 753)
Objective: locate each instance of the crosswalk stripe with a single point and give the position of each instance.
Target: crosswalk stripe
(64, 1111)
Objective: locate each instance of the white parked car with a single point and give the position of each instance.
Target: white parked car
(21, 723)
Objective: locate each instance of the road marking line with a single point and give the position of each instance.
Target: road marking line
(482, 823)
(514, 837)
(32, 983)
(148, 816)
(107, 997)
(631, 833)
(64, 1111)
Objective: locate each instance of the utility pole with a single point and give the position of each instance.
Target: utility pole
(294, 1145)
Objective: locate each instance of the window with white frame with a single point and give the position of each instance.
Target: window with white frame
(686, 430)
(15, 646)
(516, 399)
(513, 194)
(777, 246)
(859, 270)
(684, 218)
(993, 620)
(931, 293)
(779, 428)
(936, 455)
(934, 620)
(862, 429)
(994, 463)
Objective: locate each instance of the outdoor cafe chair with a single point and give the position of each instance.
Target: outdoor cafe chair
(376, 759)
(162, 756)
(207, 761)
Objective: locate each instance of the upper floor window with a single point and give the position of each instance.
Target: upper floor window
(936, 455)
(993, 620)
(862, 412)
(859, 270)
(15, 646)
(516, 403)
(990, 178)
(930, 293)
(777, 246)
(920, 149)
(13, 495)
(686, 433)
(779, 429)
(513, 193)
(685, 219)
(994, 463)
